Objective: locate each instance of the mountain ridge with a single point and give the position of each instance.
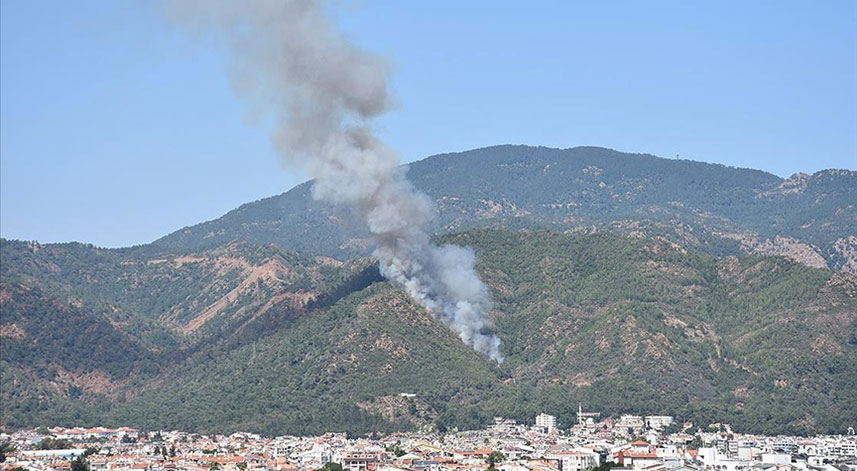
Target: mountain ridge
(731, 210)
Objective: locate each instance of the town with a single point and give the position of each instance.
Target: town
(629, 442)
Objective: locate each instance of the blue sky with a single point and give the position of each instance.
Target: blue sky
(116, 129)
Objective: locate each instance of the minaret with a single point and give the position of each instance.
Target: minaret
(579, 414)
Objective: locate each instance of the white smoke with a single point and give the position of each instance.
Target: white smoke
(322, 92)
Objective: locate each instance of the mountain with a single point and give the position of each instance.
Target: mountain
(61, 363)
(624, 281)
(332, 370)
(83, 328)
(304, 344)
(703, 207)
(177, 300)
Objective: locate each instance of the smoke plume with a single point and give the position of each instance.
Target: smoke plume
(323, 92)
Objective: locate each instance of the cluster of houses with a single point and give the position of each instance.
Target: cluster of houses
(629, 443)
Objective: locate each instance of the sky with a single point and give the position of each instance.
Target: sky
(117, 128)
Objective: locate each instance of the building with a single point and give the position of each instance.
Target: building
(714, 460)
(547, 422)
(575, 460)
(360, 461)
(503, 426)
(631, 425)
(658, 422)
(67, 453)
(586, 418)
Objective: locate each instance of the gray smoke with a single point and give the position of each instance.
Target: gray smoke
(323, 92)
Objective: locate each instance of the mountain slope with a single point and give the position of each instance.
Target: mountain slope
(620, 324)
(614, 322)
(84, 328)
(61, 363)
(331, 370)
(704, 207)
(170, 299)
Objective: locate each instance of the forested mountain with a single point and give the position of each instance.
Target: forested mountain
(626, 282)
(302, 344)
(176, 300)
(82, 325)
(59, 362)
(703, 207)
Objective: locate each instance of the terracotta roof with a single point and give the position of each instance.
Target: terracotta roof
(637, 455)
(647, 454)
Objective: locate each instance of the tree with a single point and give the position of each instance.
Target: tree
(80, 464)
(214, 466)
(695, 444)
(605, 466)
(330, 467)
(493, 458)
(672, 428)
(50, 443)
(396, 449)
(5, 448)
(440, 426)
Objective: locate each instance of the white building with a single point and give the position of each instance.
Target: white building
(630, 424)
(776, 458)
(719, 462)
(67, 453)
(658, 422)
(547, 422)
(578, 459)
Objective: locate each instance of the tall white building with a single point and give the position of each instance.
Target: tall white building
(547, 422)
